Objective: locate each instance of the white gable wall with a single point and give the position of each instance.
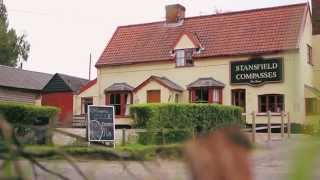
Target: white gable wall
(184, 43)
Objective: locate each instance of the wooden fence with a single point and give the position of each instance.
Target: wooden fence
(80, 121)
(285, 123)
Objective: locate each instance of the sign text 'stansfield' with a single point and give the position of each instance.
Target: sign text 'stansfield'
(257, 71)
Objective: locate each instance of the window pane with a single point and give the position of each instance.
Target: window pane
(263, 108)
(216, 96)
(117, 109)
(198, 95)
(311, 106)
(280, 103)
(112, 99)
(189, 53)
(262, 103)
(263, 99)
(205, 95)
(202, 95)
(117, 99)
(180, 53)
(236, 99)
(180, 61)
(85, 103)
(128, 102)
(310, 61)
(86, 107)
(180, 58)
(239, 98)
(271, 102)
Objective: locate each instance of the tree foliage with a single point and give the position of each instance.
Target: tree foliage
(13, 48)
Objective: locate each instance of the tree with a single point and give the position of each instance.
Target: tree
(13, 48)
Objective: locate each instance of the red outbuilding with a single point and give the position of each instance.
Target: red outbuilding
(59, 92)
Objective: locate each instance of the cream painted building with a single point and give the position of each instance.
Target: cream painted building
(88, 95)
(261, 60)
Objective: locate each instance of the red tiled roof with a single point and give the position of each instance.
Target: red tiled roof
(88, 85)
(234, 33)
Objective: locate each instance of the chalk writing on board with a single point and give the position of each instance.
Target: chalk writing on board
(101, 123)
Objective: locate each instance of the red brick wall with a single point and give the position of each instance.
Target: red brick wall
(62, 100)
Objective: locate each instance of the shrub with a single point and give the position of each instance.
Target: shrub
(182, 120)
(24, 119)
(309, 128)
(24, 114)
(297, 128)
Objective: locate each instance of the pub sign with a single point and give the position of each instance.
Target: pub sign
(257, 71)
(101, 123)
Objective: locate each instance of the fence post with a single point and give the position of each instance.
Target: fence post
(269, 125)
(49, 133)
(87, 129)
(123, 137)
(282, 124)
(289, 126)
(253, 126)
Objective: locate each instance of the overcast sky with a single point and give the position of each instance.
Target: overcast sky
(63, 33)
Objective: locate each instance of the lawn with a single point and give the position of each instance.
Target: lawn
(128, 152)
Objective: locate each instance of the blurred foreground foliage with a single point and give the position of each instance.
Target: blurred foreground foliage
(304, 163)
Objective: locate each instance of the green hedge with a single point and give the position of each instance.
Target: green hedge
(24, 114)
(26, 120)
(200, 118)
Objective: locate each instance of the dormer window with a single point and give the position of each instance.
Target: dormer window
(184, 57)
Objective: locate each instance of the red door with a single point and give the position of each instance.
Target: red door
(63, 101)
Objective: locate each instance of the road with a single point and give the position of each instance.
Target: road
(270, 161)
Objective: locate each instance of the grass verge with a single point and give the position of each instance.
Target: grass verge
(134, 152)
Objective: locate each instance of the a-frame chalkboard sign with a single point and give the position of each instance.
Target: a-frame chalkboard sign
(101, 124)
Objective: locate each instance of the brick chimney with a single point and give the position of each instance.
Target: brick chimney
(175, 13)
(316, 16)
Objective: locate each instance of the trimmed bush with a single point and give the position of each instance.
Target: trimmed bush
(29, 122)
(188, 118)
(24, 114)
